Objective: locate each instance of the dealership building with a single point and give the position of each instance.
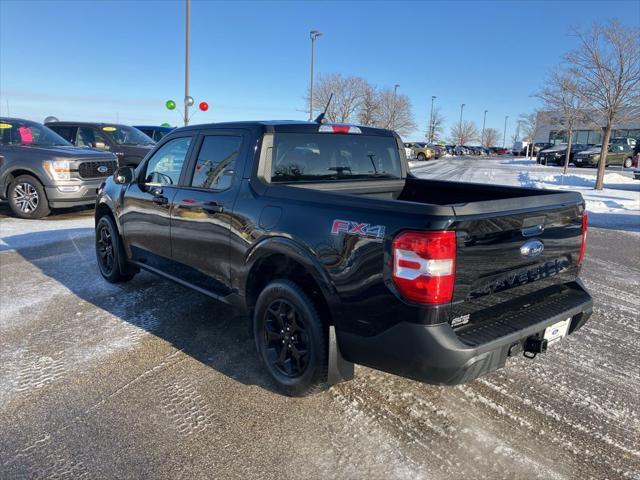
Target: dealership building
(550, 129)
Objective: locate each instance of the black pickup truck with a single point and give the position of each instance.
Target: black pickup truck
(339, 255)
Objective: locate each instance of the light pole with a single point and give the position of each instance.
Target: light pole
(433, 97)
(313, 34)
(504, 135)
(484, 122)
(460, 125)
(186, 63)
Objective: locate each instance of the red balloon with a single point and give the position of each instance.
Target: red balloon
(204, 106)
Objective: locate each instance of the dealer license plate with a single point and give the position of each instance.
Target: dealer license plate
(557, 331)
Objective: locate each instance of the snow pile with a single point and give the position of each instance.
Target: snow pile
(617, 206)
(621, 194)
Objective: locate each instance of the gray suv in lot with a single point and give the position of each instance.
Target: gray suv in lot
(40, 170)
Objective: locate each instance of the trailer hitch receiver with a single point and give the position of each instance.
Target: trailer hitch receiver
(534, 346)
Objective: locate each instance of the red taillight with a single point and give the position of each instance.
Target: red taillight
(583, 245)
(424, 266)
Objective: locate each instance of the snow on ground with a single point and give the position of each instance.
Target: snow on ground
(617, 206)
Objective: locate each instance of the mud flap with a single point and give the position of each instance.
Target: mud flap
(340, 370)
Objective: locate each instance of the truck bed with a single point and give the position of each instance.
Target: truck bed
(462, 198)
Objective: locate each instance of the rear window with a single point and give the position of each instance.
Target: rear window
(312, 157)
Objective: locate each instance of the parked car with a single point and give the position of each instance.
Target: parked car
(520, 148)
(421, 150)
(433, 280)
(537, 147)
(619, 154)
(408, 151)
(556, 154)
(625, 141)
(128, 143)
(460, 150)
(499, 150)
(438, 150)
(154, 132)
(40, 170)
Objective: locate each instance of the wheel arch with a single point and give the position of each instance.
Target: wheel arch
(283, 258)
(15, 173)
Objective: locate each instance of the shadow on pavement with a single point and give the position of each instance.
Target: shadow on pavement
(210, 332)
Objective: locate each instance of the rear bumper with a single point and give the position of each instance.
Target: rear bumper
(85, 195)
(585, 162)
(439, 355)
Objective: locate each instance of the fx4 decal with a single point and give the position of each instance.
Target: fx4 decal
(357, 228)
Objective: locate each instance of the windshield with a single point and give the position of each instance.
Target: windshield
(14, 132)
(322, 156)
(124, 135)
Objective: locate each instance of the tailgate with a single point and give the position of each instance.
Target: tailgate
(501, 257)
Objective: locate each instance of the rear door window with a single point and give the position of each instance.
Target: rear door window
(312, 157)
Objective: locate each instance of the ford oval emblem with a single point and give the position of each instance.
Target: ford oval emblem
(102, 169)
(532, 248)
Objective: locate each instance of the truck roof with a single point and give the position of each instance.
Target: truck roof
(292, 126)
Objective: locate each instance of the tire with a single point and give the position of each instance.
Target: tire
(109, 252)
(422, 157)
(27, 198)
(284, 305)
(627, 162)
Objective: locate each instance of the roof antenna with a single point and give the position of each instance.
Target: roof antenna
(320, 118)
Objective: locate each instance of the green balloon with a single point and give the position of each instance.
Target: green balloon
(170, 104)
(165, 124)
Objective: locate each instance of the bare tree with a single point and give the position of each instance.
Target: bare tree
(528, 125)
(437, 125)
(560, 95)
(370, 106)
(395, 112)
(468, 133)
(491, 137)
(606, 70)
(356, 100)
(348, 95)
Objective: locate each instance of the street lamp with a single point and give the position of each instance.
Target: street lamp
(313, 34)
(504, 135)
(395, 89)
(460, 126)
(433, 97)
(186, 63)
(484, 122)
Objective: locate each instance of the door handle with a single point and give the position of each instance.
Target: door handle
(213, 207)
(160, 200)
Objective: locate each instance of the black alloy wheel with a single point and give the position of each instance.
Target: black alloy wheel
(110, 253)
(104, 249)
(285, 338)
(291, 338)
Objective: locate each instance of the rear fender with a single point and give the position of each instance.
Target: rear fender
(296, 252)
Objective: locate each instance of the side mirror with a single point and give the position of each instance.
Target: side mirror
(124, 175)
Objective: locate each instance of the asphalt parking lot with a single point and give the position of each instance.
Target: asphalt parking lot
(150, 380)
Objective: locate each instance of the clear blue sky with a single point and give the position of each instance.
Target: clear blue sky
(102, 60)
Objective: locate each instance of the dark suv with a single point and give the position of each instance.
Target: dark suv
(154, 132)
(128, 143)
(40, 170)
